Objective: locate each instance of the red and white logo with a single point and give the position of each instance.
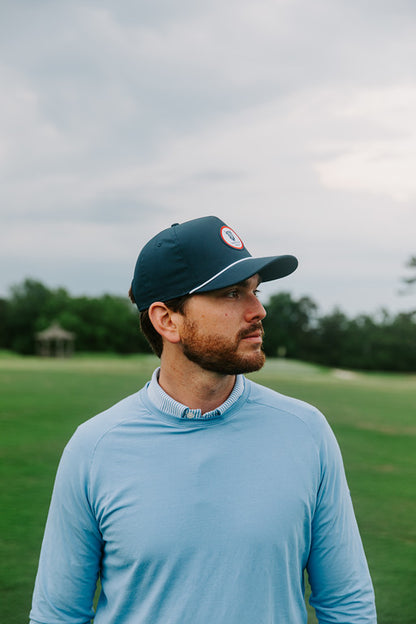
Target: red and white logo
(230, 238)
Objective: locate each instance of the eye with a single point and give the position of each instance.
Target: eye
(232, 294)
(256, 292)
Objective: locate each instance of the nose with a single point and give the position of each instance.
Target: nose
(255, 310)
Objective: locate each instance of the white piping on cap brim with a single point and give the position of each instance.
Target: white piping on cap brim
(218, 274)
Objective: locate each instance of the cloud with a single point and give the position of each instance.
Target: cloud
(385, 162)
(291, 120)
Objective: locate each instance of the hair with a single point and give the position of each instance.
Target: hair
(153, 337)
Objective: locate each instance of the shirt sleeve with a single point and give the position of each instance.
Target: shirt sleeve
(71, 549)
(342, 590)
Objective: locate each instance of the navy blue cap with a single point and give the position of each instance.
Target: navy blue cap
(199, 256)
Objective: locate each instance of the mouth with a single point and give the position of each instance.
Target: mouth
(255, 336)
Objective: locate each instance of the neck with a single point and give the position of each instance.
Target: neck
(191, 385)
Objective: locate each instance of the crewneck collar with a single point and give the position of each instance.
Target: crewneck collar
(169, 406)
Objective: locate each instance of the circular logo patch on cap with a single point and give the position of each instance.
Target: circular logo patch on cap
(230, 238)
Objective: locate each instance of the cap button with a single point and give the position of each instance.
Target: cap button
(173, 224)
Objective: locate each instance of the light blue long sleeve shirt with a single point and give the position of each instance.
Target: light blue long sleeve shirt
(202, 519)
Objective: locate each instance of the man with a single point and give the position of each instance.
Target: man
(204, 497)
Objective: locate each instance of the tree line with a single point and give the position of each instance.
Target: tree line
(106, 323)
(384, 342)
(293, 328)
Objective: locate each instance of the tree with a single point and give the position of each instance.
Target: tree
(106, 323)
(403, 342)
(28, 302)
(409, 281)
(332, 335)
(288, 325)
(4, 313)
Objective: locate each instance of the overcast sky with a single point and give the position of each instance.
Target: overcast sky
(293, 121)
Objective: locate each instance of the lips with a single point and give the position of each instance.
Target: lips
(255, 333)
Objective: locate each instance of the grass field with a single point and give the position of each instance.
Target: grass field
(373, 416)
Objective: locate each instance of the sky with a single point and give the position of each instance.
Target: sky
(293, 121)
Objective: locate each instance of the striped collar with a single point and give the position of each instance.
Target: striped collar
(169, 406)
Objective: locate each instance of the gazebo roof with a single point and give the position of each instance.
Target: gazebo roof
(55, 332)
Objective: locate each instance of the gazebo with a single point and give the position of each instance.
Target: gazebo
(55, 342)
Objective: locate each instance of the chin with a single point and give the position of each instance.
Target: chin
(235, 366)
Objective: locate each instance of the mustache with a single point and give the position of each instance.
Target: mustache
(255, 327)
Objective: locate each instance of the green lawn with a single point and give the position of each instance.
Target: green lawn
(373, 416)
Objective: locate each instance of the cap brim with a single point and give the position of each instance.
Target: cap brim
(269, 268)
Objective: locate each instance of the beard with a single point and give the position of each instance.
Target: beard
(218, 354)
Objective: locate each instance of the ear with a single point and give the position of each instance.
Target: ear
(163, 320)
